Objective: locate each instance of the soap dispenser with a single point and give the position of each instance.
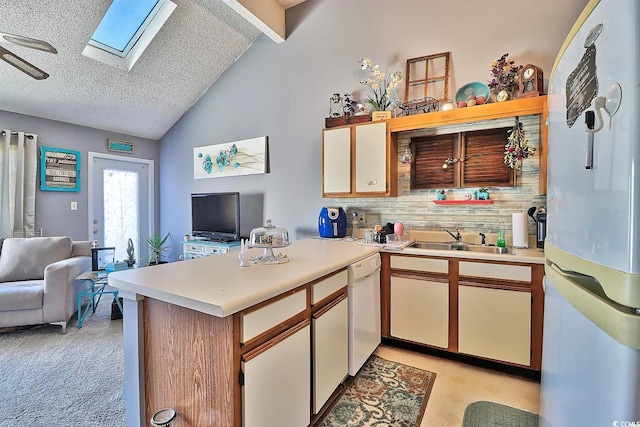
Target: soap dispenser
(500, 242)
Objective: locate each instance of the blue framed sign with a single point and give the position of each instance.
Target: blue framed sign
(119, 145)
(59, 169)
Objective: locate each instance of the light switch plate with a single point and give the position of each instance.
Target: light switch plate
(74, 206)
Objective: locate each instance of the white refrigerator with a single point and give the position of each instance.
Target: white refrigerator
(591, 345)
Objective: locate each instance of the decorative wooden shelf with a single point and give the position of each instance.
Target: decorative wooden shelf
(494, 110)
(463, 202)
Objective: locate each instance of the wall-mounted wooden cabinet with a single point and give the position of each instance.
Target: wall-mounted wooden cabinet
(498, 110)
(359, 161)
(463, 159)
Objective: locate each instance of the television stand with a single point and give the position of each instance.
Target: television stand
(200, 248)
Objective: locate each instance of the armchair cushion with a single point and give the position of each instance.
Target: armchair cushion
(26, 259)
(23, 295)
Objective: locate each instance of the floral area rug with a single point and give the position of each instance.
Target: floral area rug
(383, 394)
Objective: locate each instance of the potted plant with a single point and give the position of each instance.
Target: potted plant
(157, 247)
(131, 259)
(441, 194)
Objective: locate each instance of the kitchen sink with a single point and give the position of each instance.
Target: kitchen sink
(431, 245)
(453, 246)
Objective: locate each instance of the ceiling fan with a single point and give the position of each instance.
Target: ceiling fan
(20, 63)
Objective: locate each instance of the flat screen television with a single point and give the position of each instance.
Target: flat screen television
(216, 216)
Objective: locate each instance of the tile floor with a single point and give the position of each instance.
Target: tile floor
(458, 384)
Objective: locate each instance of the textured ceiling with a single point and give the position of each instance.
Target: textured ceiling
(201, 39)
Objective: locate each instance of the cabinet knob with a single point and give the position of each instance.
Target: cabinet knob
(163, 417)
(372, 182)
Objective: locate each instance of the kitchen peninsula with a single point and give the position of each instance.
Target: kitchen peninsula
(227, 345)
(192, 329)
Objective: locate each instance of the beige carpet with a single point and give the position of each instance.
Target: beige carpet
(50, 379)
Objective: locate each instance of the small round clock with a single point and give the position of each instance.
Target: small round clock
(531, 81)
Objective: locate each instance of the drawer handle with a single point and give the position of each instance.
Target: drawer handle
(372, 182)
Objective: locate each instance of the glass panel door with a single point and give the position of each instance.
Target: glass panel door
(120, 195)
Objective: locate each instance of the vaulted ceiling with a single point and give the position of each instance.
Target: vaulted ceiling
(201, 39)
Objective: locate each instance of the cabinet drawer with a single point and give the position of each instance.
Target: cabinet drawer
(327, 286)
(215, 250)
(429, 265)
(261, 320)
(194, 248)
(496, 271)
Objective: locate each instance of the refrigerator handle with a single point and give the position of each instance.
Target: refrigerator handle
(620, 322)
(589, 119)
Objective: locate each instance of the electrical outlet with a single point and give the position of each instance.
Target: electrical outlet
(74, 206)
(361, 220)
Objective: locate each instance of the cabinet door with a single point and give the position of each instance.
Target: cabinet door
(495, 323)
(371, 158)
(336, 160)
(330, 351)
(420, 311)
(277, 381)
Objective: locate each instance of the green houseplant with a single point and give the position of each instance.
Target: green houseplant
(157, 247)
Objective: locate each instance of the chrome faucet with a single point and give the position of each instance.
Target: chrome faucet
(456, 236)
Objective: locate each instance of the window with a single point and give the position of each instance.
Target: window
(428, 76)
(467, 159)
(126, 30)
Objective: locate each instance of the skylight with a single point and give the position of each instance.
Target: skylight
(121, 22)
(126, 30)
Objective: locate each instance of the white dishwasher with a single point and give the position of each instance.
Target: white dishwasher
(364, 311)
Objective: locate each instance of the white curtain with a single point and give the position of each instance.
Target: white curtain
(18, 169)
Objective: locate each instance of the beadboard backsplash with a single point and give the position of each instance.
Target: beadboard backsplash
(416, 208)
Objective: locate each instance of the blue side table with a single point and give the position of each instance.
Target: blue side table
(97, 281)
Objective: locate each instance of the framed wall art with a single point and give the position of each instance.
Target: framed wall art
(246, 157)
(59, 169)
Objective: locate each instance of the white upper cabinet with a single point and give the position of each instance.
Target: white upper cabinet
(359, 161)
(371, 158)
(336, 161)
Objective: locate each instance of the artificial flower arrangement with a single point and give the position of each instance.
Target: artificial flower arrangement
(383, 86)
(517, 147)
(503, 74)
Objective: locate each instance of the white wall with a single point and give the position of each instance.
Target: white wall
(282, 90)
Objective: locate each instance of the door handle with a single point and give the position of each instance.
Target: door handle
(163, 417)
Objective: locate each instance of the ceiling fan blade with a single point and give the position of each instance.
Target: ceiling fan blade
(29, 42)
(22, 65)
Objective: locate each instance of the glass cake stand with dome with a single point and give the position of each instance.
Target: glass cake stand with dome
(269, 237)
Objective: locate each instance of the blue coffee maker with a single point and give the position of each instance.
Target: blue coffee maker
(332, 222)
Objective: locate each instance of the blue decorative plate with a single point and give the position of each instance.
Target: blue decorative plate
(475, 88)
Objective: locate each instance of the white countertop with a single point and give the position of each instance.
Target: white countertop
(217, 285)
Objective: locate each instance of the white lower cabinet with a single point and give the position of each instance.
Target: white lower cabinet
(495, 323)
(277, 381)
(420, 311)
(330, 350)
